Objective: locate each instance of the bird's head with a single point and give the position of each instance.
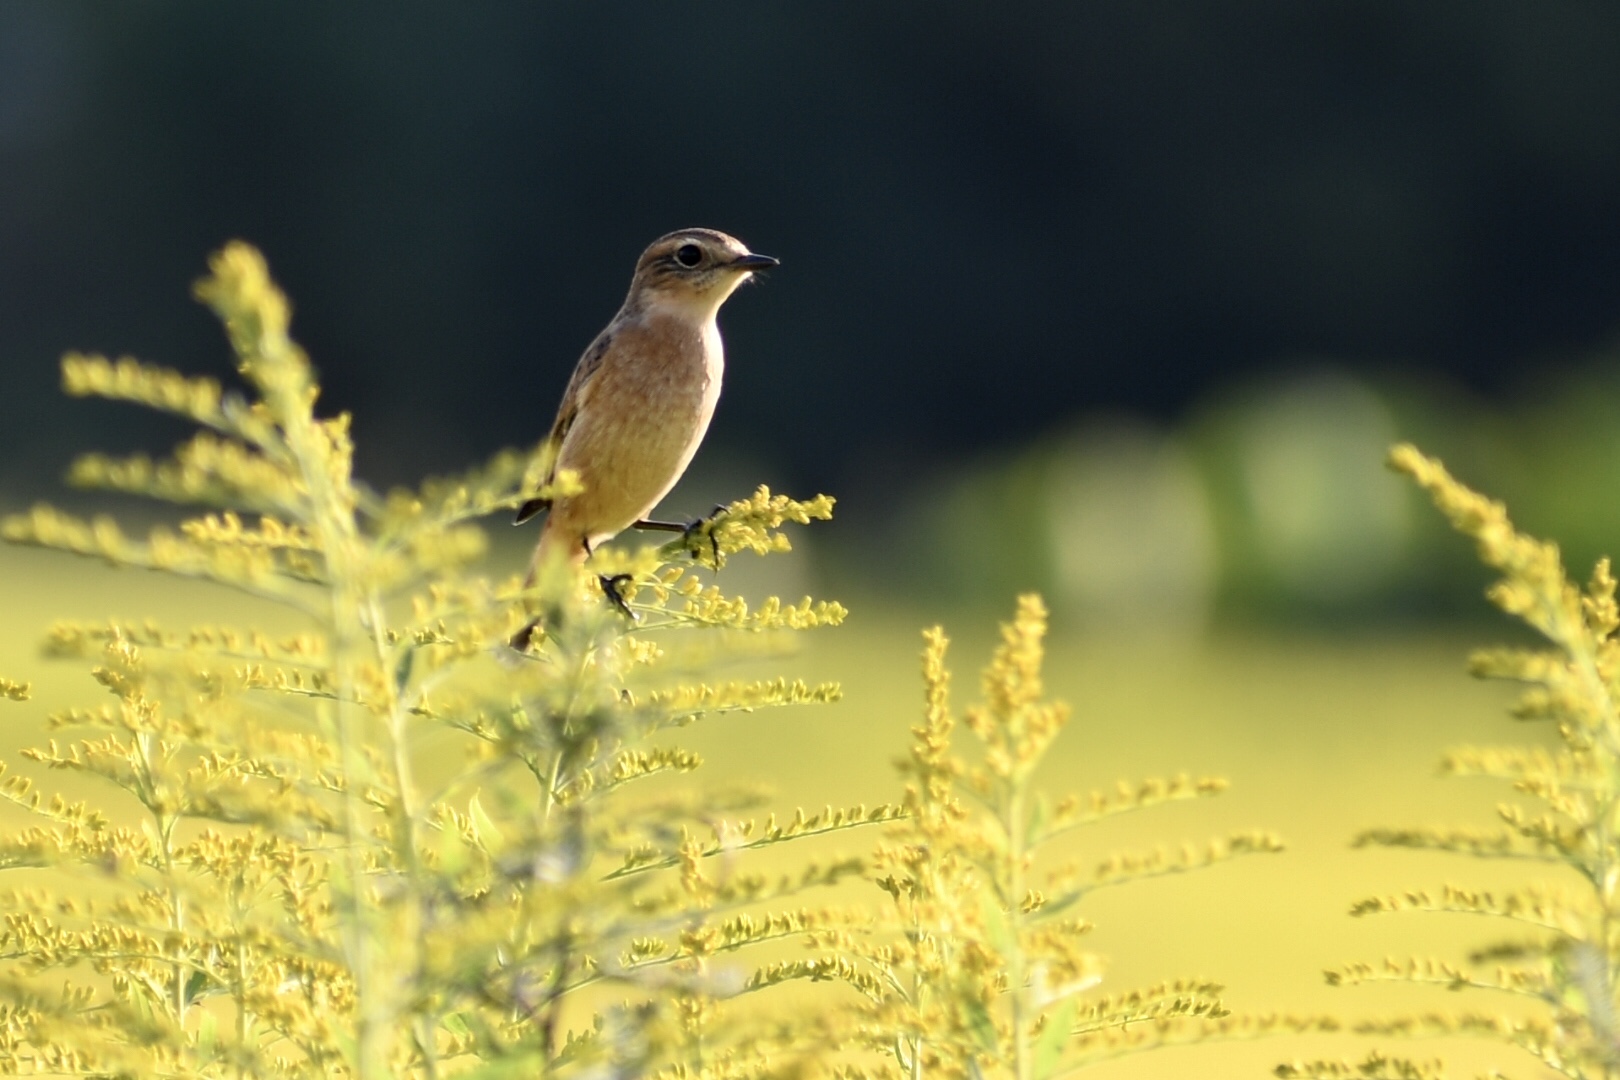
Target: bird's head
(695, 269)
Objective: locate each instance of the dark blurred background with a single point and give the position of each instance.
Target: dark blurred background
(1121, 300)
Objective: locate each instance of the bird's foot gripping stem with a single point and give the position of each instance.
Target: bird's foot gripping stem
(692, 532)
(612, 587)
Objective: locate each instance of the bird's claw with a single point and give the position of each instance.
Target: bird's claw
(612, 586)
(695, 528)
(524, 638)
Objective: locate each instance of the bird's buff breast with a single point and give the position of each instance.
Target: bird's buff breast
(646, 411)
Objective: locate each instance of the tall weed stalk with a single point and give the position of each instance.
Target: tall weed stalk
(976, 966)
(1548, 984)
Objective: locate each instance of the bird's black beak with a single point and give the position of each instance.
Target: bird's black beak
(755, 262)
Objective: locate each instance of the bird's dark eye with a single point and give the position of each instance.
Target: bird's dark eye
(688, 255)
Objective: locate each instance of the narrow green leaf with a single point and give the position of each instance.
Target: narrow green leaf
(402, 672)
(983, 1028)
(1039, 814)
(1049, 1045)
(997, 927)
(207, 1035)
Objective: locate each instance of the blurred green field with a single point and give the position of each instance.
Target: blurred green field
(1318, 737)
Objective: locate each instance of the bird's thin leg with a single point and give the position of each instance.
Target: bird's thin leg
(661, 526)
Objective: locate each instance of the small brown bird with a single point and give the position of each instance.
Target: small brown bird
(641, 396)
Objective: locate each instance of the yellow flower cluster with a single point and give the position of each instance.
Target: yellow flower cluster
(751, 524)
(157, 388)
(1565, 949)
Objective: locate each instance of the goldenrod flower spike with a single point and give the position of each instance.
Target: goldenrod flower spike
(978, 970)
(1560, 950)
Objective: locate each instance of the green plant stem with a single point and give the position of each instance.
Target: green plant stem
(406, 845)
(552, 780)
(1016, 973)
(355, 925)
(244, 1019)
(427, 1028)
(336, 533)
(398, 739)
(918, 990)
(164, 827)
